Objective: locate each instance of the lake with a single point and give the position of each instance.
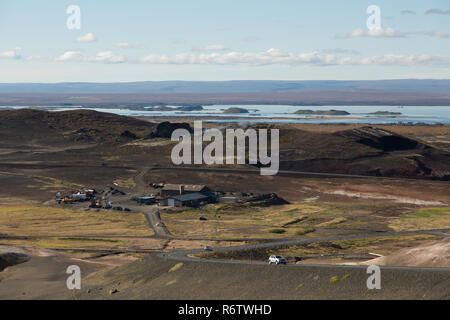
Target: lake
(284, 113)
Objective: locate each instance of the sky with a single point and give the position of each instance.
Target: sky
(211, 40)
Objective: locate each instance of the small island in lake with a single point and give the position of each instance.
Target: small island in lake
(235, 110)
(385, 113)
(196, 107)
(323, 112)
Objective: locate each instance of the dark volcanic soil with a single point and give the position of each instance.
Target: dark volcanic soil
(365, 150)
(83, 136)
(150, 278)
(26, 126)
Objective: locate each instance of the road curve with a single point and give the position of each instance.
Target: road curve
(183, 255)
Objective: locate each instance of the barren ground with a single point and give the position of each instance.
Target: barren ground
(31, 172)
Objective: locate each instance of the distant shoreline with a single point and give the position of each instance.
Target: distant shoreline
(294, 98)
(434, 117)
(225, 120)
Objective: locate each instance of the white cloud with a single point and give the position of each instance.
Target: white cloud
(88, 37)
(103, 56)
(71, 56)
(127, 45)
(436, 34)
(376, 33)
(391, 33)
(432, 34)
(271, 56)
(11, 54)
(212, 47)
(276, 56)
(340, 51)
(34, 58)
(108, 57)
(398, 60)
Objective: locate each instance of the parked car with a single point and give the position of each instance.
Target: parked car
(208, 248)
(277, 260)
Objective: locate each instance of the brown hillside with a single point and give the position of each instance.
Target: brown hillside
(365, 150)
(28, 126)
(361, 151)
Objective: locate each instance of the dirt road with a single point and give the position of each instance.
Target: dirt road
(151, 212)
(186, 255)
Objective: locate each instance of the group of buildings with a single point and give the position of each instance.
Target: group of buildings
(180, 195)
(170, 195)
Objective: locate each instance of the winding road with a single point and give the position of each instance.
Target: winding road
(185, 255)
(160, 229)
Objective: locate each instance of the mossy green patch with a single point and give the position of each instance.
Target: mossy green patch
(176, 267)
(345, 277)
(334, 280)
(303, 231)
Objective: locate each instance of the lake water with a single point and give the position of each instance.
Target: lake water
(284, 113)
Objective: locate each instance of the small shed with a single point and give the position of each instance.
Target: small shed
(146, 200)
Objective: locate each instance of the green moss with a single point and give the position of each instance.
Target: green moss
(171, 282)
(304, 231)
(176, 267)
(429, 213)
(345, 277)
(334, 280)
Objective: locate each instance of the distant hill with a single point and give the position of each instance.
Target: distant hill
(366, 92)
(25, 126)
(202, 87)
(350, 97)
(365, 150)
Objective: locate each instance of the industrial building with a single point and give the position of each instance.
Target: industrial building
(185, 195)
(179, 189)
(189, 200)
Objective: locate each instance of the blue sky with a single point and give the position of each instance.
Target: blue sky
(223, 40)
